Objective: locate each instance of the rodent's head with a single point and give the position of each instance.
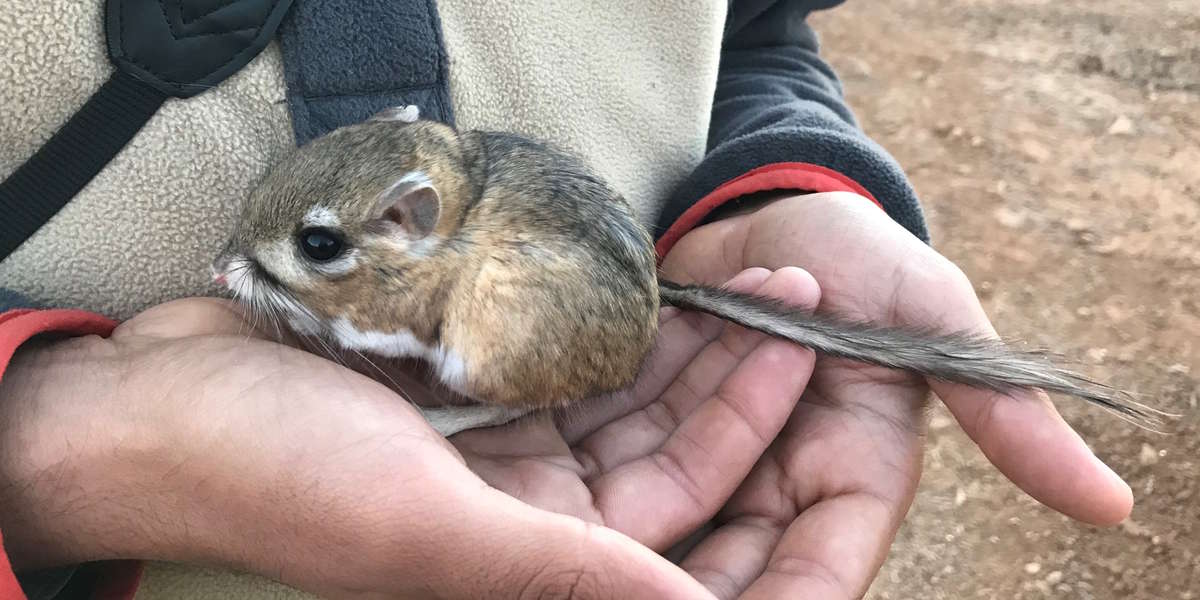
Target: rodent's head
(343, 216)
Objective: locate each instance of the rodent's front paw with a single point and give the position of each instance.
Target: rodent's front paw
(449, 420)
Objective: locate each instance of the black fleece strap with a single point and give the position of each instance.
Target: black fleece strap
(345, 60)
(162, 49)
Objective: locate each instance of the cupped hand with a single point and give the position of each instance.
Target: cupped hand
(817, 514)
(658, 460)
(185, 437)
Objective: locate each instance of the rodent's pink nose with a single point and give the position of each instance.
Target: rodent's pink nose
(219, 278)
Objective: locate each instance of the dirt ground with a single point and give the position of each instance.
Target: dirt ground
(1056, 145)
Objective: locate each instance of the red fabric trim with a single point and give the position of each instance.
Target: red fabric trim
(17, 326)
(120, 579)
(9, 588)
(777, 176)
(16, 312)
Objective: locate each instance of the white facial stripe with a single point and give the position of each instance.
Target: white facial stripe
(280, 258)
(240, 279)
(448, 365)
(340, 265)
(319, 216)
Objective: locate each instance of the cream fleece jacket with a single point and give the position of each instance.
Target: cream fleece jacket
(628, 84)
(588, 76)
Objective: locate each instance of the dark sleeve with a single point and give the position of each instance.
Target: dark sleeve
(780, 122)
(10, 300)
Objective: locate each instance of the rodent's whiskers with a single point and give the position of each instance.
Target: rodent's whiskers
(280, 304)
(395, 386)
(244, 290)
(323, 348)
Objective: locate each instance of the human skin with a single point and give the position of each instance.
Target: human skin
(818, 513)
(186, 436)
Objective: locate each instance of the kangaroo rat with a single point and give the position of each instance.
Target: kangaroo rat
(521, 277)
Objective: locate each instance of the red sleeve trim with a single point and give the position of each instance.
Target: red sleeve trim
(17, 326)
(119, 579)
(777, 176)
(10, 589)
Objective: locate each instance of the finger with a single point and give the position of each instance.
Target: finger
(187, 317)
(729, 559)
(1025, 437)
(831, 551)
(704, 255)
(850, 471)
(681, 337)
(505, 548)
(700, 462)
(648, 426)
(645, 430)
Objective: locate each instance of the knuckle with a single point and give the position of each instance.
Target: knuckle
(956, 279)
(944, 275)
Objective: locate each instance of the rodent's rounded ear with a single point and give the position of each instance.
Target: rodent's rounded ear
(404, 114)
(412, 203)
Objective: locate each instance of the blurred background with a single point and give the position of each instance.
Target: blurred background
(1056, 147)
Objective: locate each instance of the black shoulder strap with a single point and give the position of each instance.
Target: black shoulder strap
(161, 49)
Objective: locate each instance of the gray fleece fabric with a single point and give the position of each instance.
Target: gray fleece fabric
(345, 60)
(778, 101)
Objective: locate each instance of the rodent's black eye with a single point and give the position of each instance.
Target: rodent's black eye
(320, 244)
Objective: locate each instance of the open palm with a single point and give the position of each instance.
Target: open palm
(344, 465)
(816, 516)
(658, 460)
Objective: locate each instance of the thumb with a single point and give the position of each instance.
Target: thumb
(710, 255)
(187, 317)
(1023, 435)
(508, 549)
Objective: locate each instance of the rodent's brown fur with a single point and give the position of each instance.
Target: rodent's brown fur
(536, 274)
(513, 289)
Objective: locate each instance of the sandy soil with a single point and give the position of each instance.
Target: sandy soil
(1057, 148)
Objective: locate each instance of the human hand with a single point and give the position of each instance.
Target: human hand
(658, 460)
(182, 437)
(818, 513)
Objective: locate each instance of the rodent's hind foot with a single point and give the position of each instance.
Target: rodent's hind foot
(449, 420)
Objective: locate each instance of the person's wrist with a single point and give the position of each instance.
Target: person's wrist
(54, 445)
(751, 203)
(99, 460)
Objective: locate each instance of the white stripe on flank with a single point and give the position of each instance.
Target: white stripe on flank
(448, 365)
